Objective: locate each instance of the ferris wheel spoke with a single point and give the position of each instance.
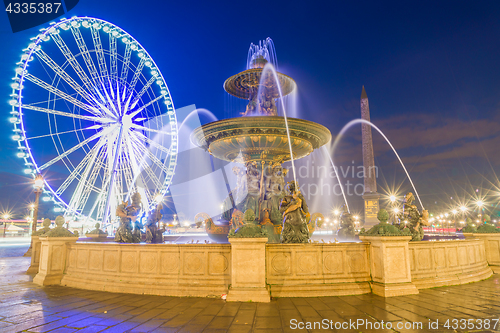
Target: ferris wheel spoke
(102, 106)
(110, 99)
(60, 93)
(136, 165)
(85, 53)
(137, 75)
(152, 142)
(87, 182)
(100, 164)
(151, 175)
(65, 114)
(139, 127)
(107, 172)
(101, 60)
(128, 173)
(78, 146)
(74, 63)
(65, 76)
(136, 112)
(55, 133)
(148, 153)
(101, 199)
(126, 63)
(143, 90)
(128, 176)
(113, 58)
(86, 163)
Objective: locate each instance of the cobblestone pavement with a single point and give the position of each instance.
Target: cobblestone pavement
(25, 307)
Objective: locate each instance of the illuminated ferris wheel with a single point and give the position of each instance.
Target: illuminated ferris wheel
(93, 114)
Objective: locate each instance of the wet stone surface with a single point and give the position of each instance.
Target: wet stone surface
(25, 307)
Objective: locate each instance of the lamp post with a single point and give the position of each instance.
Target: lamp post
(464, 210)
(392, 198)
(5, 217)
(396, 211)
(38, 185)
(480, 205)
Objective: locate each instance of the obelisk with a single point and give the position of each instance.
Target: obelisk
(370, 195)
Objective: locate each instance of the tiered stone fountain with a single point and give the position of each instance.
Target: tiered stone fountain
(259, 141)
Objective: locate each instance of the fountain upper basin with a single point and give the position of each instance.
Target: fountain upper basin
(260, 138)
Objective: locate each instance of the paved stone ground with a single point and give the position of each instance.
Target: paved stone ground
(14, 246)
(25, 307)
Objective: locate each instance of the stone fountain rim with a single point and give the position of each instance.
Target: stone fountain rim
(206, 129)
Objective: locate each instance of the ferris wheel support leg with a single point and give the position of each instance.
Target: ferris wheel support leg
(112, 178)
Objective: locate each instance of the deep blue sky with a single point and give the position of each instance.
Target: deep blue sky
(431, 70)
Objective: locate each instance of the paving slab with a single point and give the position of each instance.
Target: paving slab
(26, 307)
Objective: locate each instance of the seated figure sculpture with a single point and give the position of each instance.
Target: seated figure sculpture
(411, 218)
(346, 230)
(128, 215)
(154, 234)
(295, 214)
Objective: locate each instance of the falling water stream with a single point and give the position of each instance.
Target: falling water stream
(337, 175)
(363, 121)
(270, 67)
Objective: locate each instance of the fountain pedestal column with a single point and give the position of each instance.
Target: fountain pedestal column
(248, 270)
(53, 260)
(35, 255)
(390, 265)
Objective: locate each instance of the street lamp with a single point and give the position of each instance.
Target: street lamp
(5, 217)
(480, 205)
(38, 186)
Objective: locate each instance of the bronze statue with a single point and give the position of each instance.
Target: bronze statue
(124, 232)
(128, 215)
(411, 218)
(154, 234)
(295, 214)
(346, 230)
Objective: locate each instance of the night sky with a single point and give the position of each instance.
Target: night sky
(431, 71)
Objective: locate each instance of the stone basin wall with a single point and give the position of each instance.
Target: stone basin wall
(436, 264)
(386, 266)
(159, 269)
(300, 270)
